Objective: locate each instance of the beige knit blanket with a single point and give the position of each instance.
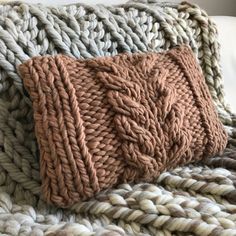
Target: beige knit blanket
(190, 200)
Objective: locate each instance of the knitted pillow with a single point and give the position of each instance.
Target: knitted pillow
(125, 118)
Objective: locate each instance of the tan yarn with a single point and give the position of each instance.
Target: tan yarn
(110, 120)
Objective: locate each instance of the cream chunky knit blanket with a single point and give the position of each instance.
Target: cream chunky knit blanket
(192, 200)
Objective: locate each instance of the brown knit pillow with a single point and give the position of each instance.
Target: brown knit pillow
(110, 120)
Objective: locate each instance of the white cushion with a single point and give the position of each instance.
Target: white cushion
(227, 37)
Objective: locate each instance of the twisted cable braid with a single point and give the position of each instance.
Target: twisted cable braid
(137, 120)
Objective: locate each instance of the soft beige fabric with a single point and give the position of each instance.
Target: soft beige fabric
(227, 34)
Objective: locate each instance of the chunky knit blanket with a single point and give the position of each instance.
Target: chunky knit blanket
(192, 200)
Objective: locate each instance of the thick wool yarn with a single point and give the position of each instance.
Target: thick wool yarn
(193, 200)
(110, 120)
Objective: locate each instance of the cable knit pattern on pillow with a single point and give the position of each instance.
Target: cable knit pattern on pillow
(109, 120)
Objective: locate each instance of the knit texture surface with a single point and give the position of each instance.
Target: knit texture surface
(191, 200)
(110, 120)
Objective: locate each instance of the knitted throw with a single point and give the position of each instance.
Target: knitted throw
(191, 200)
(111, 120)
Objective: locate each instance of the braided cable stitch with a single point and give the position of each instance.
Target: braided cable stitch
(83, 31)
